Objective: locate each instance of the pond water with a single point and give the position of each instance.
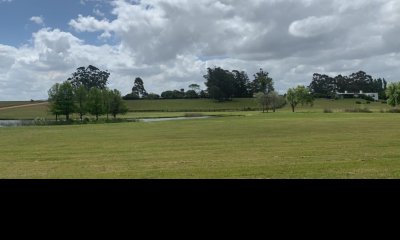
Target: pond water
(148, 120)
(15, 123)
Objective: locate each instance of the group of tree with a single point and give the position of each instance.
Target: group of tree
(86, 92)
(193, 93)
(324, 86)
(223, 85)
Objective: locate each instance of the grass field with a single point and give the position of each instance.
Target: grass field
(157, 108)
(280, 145)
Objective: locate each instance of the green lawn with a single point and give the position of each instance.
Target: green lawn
(280, 145)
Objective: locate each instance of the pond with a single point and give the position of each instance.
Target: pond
(15, 123)
(148, 120)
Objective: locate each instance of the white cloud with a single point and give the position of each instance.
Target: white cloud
(37, 19)
(170, 43)
(313, 26)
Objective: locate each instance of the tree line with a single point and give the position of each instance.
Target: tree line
(324, 86)
(86, 92)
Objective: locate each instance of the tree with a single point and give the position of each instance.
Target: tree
(61, 97)
(191, 94)
(138, 88)
(299, 95)
(242, 85)
(393, 94)
(95, 104)
(262, 100)
(80, 96)
(54, 95)
(263, 83)
(89, 77)
(220, 84)
(195, 87)
(322, 86)
(275, 101)
(116, 105)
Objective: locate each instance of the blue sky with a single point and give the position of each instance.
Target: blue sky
(170, 43)
(16, 28)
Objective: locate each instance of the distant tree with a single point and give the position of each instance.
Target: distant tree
(80, 96)
(152, 96)
(204, 94)
(138, 88)
(54, 100)
(195, 87)
(275, 101)
(95, 103)
(242, 84)
(263, 101)
(131, 96)
(220, 84)
(191, 94)
(116, 105)
(299, 95)
(175, 94)
(89, 77)
(262, 82)
(393, 94)
(61, 97)
(322, 86)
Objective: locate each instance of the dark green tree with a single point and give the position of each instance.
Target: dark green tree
(116, 105)
(95, 103)
(262, 82)
(220, 84)
(89, 77)
(138, 88)
(61, 98)
(242, 85)
(80, 96)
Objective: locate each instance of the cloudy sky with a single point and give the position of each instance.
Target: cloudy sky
(170, 43)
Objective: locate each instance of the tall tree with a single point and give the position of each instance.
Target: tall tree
(262, 82)
(138, 88)
(116, 105)
(299, 95)
(90, 77)
(80, 95)
(220, 83)
(54, 95)
(95, 103)
(322, 85)
(61, 97)
(242, 85)
(195, 87)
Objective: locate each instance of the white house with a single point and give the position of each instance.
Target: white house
(375, 96)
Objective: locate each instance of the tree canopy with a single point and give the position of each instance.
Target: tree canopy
(89, 77)
(299, 95)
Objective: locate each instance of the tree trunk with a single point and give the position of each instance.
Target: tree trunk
(292, 107)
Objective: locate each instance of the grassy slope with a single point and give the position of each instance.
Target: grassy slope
(281, 145)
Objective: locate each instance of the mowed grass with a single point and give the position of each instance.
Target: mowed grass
(280, 145)
(13, 103)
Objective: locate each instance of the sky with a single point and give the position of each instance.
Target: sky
(171, 43)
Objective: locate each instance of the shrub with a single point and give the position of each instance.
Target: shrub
(368, 102)
(358, 102)
(358, 110)
(368, 98)
(394, 110)
(328, 110)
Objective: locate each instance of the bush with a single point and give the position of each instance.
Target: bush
(368, 102)
(358, 110)
(368, 98)
(394, 110)
(328, 110)
(358, 102)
